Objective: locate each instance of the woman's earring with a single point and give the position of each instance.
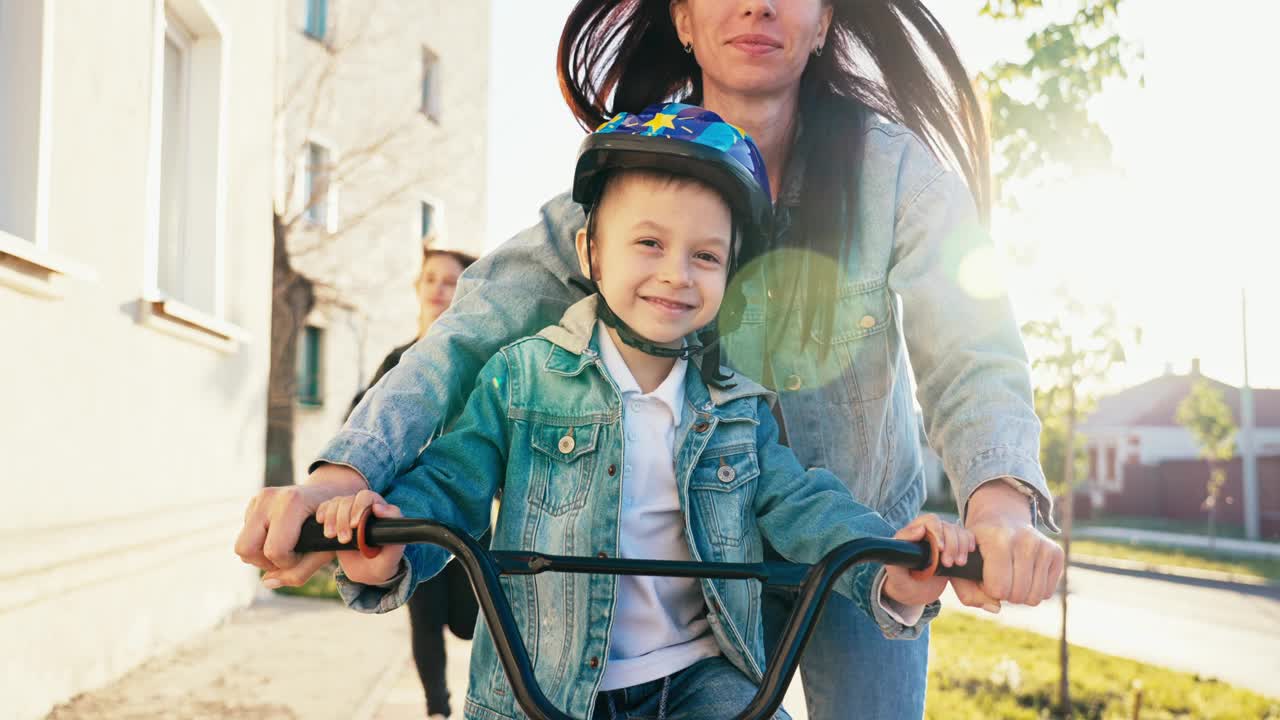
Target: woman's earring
(817, 52)
(688, 48)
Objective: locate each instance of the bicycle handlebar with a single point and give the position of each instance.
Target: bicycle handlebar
(483, 567)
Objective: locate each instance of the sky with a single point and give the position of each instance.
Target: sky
(1170, 239)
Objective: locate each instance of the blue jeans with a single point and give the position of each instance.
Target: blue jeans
(709, 689)
(849, 669)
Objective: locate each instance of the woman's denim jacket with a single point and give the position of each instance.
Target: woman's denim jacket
(563, 497)
(913, 280)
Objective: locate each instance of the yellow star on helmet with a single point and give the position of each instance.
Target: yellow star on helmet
(660, 121)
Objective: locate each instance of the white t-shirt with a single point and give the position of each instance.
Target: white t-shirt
(660, 623)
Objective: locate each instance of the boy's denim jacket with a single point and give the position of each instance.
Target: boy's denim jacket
(562, 497)
(911, 280)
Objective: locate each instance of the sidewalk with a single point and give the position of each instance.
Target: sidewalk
(402, 698)
(1253, 548)
(279, 659)
(285, 658)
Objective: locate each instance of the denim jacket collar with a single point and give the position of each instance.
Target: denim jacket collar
(576, 349)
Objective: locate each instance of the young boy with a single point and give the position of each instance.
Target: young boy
(605, 441)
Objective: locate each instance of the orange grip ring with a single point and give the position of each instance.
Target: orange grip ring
(371, 551)
(935, 557)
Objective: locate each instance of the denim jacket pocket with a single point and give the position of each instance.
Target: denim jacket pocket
(563, 463)
(723, 483)
(859, 347)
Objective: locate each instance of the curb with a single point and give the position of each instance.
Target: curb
(1107, 563)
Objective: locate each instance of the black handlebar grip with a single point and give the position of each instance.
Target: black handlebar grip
(311, 539)
(971, 570)
(932, 563)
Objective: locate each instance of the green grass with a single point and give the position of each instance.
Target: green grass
(1264, 568)
(321, 585)
(980, 670)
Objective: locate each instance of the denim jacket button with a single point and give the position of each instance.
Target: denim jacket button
(613, 469)
(701, 426)
(794, 382)
(867, 322)
(566, 444)
(594, 662)
(725, 474)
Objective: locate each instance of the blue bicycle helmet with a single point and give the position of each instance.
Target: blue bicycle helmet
(684, 140)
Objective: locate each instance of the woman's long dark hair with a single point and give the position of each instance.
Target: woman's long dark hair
(880, 56)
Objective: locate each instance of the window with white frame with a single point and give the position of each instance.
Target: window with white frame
(23, 92)
(188, 187)
(429, 103)
(316, 23)
(319, 207)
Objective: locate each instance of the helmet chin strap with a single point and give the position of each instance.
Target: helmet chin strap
(644, 345)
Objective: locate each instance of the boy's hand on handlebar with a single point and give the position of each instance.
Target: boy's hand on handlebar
(340, 517)
(955, 545)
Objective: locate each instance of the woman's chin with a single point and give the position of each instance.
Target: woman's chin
(756, 77)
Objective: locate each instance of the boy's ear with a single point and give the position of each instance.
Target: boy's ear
(584, 253)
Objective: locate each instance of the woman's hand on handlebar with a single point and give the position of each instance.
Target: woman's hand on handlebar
(954, 544)
(341, 516)
(1021, 565)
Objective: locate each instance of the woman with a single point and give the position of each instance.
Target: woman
(446, 599)
(870, 237)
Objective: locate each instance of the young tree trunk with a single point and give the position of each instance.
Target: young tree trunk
(292, 297)
(1216, 480)
(1068, 512)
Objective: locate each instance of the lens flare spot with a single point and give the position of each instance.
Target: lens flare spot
(982, 273)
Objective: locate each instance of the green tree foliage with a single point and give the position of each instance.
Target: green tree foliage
(1070, 364)
(1206, 415)
(1039, 105)
(1052, 408)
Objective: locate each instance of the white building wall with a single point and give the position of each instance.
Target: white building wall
(1166, 443)
(127, 449)
(1267, 441)
(372, 92)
